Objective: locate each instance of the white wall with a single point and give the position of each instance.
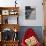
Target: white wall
(22, 4)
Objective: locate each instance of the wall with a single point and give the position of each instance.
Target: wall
(39, 13)
(22, 21)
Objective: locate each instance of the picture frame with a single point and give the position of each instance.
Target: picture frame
(13, 12)
(5, 20)
(10, 19)
(5, 12)
(13, 19)
(6, 34)
(30, 13)
(9, 34)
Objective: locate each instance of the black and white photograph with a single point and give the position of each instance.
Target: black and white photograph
(30, 13)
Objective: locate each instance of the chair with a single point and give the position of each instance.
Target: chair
(29, 33)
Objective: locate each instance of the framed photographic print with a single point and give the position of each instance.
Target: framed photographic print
(6, 34)
(5, 20)
(13, 12)
(13, 19)
(10, 19)
(30, 13)
(5, 12)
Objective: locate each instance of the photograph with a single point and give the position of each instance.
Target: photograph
(30, 13)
